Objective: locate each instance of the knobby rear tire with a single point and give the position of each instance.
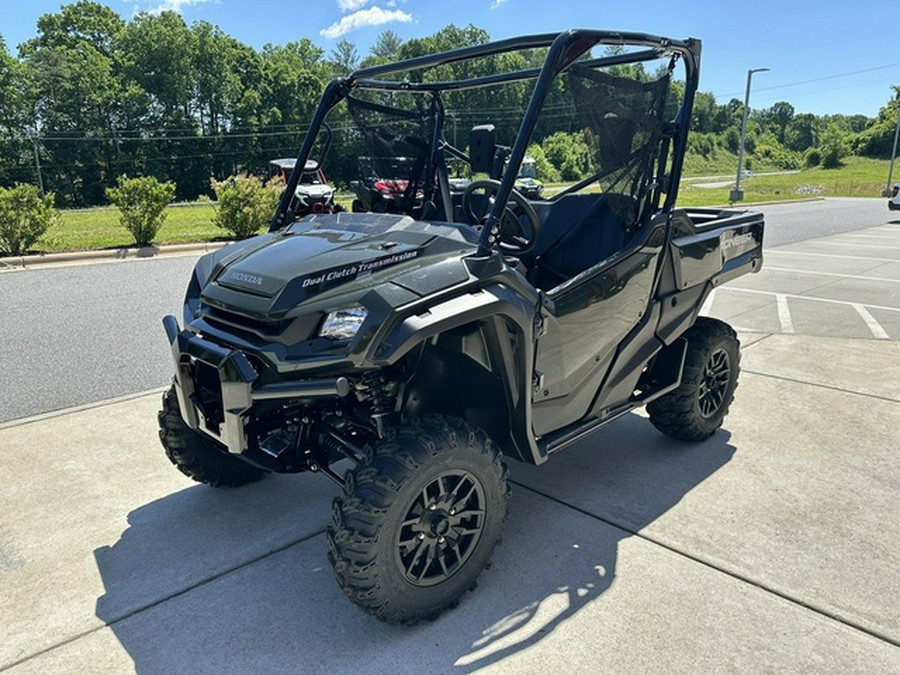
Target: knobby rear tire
(694, 410)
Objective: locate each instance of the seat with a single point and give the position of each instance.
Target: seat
(578, 232)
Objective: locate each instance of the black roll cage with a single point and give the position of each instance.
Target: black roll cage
(564, 50)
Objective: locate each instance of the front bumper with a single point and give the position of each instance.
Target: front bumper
(239, 383)
(893, 206)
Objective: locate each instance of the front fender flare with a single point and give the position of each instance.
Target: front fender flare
(489, 305)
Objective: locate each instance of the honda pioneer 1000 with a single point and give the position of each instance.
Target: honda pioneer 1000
(405, 355)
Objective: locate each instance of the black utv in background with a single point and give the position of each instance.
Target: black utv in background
(406, 355)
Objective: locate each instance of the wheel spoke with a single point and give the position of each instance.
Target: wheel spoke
(431, 546)
(468, 513)
(454, 546)
(460, 503)
(423, 546)
(455, 492)
(466, 530)
(443, 562)
(408, 544)
(714, 383)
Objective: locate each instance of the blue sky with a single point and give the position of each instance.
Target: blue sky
(825, 57)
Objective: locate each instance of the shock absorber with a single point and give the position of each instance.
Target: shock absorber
(371, 389)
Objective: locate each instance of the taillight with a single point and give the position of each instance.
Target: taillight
(895, 191)
(384, 188)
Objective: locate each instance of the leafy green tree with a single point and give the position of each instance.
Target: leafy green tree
(24, 218)
(705, 113)
(81, 22)
(569, 153)
(768, 148)
(801, 132)
(15, 163)
(834, 146)
(877, 139)
(158, 54)
(217, 84)
(386, 48)
(732, 139)
(545, 170)
(141, 203)
(344, 58)
(295, 75)
(780, 116)
(812, 158)
(75, 96)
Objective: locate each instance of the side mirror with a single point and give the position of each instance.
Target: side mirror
(482, 147)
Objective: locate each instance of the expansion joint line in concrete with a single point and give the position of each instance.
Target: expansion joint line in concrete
(730, 573)
(161, 601)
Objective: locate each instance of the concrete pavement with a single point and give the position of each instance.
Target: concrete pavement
(771, 547)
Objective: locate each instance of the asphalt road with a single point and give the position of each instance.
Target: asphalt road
(75, 335)
(79, 334)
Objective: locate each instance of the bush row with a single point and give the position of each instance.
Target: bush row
(244, 206)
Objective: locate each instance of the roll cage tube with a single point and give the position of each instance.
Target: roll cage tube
(334, 93)
(564, 49)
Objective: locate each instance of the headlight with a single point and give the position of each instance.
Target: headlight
(343, 323)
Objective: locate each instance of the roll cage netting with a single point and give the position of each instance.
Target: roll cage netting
(394, 112)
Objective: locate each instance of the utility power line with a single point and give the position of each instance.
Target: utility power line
(815, 79)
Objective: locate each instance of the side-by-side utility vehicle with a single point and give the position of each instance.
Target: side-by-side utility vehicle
(408, 355)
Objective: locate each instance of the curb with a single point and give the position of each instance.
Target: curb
(108, 255)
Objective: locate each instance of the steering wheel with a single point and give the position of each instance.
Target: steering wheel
(515, 239)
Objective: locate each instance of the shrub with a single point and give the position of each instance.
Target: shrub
(774, 153)
(141, 203)
(245, 205)
(569, 153)
(545, 170)
(24, 218)
(812, 159)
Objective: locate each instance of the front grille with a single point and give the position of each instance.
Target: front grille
(226, 317)
(285, 331)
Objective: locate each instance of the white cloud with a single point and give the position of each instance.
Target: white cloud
(351, 5)
(498, 3)
(374, 16)
(175, 5)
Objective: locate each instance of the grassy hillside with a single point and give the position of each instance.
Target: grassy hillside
(859, 177)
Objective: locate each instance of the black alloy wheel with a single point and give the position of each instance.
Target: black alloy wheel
(441, 529)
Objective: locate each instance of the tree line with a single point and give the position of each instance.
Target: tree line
(93, 97)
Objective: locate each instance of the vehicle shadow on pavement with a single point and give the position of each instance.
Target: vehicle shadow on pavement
(186, 538)
(211, 581)
(605, 489)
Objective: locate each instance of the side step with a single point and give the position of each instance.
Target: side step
(663, 378)
(575, 432)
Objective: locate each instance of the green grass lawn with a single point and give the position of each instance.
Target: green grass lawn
(99, 228)
(85, 229)
(859, 177)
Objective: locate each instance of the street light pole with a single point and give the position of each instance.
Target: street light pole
(737, 194)
(887, 188)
